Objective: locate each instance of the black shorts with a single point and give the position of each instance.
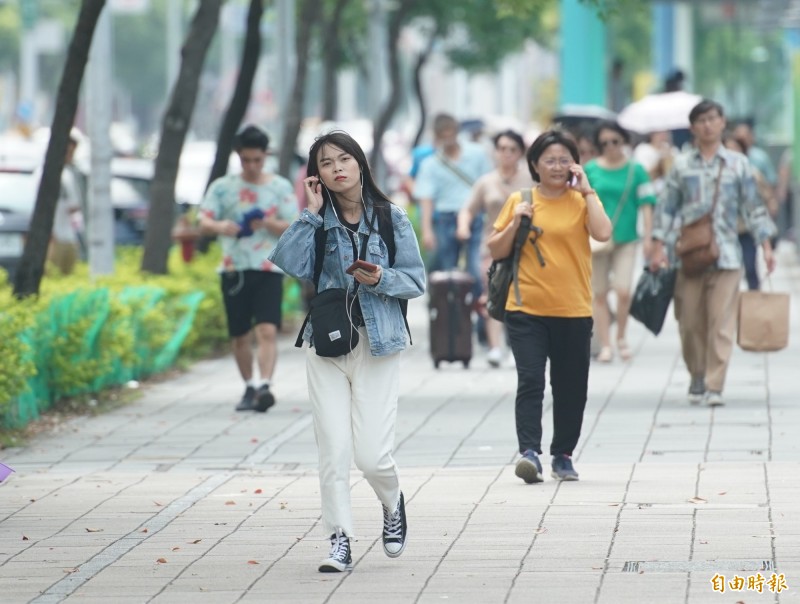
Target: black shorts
(251, 297)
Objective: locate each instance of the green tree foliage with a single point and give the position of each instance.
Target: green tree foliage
(727, 68)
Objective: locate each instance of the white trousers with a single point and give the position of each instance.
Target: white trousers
(354, 404)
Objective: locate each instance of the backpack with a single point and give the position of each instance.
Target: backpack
(385, 231)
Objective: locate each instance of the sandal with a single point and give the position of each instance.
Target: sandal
(624, 351)
(606, 355)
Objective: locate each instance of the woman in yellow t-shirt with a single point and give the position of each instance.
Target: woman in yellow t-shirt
(554, 319)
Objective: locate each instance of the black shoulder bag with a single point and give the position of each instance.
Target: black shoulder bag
(330, 313)
(502, 273)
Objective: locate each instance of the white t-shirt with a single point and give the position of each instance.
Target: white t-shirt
(68, 202)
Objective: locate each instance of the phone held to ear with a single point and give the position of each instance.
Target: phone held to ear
(572, 180)
(362, 264)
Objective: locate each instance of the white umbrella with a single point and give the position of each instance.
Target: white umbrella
(656, 112)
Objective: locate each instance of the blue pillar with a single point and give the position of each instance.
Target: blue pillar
(583, 55)
(663, 39)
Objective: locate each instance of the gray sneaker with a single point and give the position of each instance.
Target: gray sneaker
(714, 399)
(563, 469)
(529, 468)
(697, 390)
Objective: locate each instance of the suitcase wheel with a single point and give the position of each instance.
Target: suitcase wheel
(466, 364)
(436, 364)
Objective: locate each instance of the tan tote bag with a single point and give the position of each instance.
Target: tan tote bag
(763, 321)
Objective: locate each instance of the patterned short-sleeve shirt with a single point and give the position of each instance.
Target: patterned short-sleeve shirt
(230, 198)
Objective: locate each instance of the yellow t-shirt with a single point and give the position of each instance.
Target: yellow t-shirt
(561, 288)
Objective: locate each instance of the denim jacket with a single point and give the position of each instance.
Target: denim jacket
(380, 308)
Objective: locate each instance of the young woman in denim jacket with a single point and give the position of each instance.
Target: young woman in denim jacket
(354, 396)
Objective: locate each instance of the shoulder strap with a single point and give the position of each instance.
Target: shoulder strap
(625, 194)
(454, 169)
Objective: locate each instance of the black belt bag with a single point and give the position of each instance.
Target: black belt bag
(334, 328)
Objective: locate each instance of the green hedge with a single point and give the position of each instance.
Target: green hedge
(81, 336)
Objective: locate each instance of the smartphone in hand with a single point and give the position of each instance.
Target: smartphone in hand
(572, 180)
(363, 264)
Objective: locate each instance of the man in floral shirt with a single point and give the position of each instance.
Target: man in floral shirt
(249, 212)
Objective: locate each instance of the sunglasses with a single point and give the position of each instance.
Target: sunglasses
(611, 141)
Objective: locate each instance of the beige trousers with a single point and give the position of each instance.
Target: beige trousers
(705, 308)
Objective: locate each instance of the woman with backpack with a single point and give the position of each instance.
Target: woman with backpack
(554, 317)
(357, 329)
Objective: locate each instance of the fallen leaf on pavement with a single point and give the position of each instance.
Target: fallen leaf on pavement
(697, 500)
(24, 538)
(230, 503)
(704, 543)
(253, 440)
(284, 505)
(94, 530)
(723, 493)
(195, 542)
(258, 491)
(144, 530)
(70, 570)
(613, 505)
(252, 562)
(162, 560)
(175, 549)
(159, 504)
(541, 531)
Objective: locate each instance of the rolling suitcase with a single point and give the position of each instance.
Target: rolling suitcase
(450, 307)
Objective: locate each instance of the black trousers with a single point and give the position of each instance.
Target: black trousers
(565, 341)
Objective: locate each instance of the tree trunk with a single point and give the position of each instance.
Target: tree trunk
(173, 133)
(293, 115)
(385, 118)
(29, 274)
(421, 60)
(331, 56)
(251, 53)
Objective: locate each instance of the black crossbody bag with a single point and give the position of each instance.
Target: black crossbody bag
(333, 331)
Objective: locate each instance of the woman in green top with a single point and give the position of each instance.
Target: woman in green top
(625, 189)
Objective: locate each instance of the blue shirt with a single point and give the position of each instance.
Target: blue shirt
(449, 191)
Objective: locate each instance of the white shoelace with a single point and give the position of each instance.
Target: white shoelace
(339, 544)
(392, 525)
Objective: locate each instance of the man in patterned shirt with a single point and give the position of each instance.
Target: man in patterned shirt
(706, 305)
(249, 212)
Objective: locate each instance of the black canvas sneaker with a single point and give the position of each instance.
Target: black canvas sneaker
(339, 559)
(395, 529)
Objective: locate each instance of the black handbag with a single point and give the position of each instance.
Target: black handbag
(652, 297)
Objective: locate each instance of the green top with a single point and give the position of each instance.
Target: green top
(610, 186)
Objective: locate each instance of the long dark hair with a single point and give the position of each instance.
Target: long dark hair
(371, 193)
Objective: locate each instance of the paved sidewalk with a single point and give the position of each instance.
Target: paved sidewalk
(178, 499)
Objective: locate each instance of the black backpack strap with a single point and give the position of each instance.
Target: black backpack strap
(386, 231)
(320, 238)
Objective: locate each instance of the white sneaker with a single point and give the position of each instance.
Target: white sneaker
(511, 362)
(494, 357)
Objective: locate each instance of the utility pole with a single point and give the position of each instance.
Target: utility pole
(174, 38)
(286, 59)
(100, 221)
(376, 88)
(29, 60)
